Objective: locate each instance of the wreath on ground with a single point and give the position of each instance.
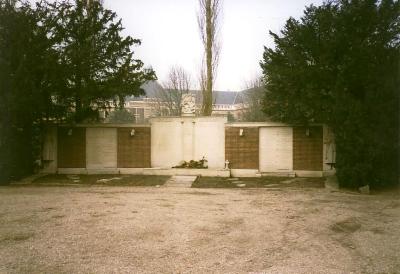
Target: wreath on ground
(203, 163)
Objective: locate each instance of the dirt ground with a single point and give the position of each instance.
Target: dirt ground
(104, 229)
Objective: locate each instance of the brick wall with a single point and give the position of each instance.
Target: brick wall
(134, 151)
(307, 150)
(71, 147)
(242, 151)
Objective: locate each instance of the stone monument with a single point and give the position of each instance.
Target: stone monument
(188, 104)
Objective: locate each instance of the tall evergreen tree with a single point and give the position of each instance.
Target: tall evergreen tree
(28, 64)
(99, 66)
(339, 65)
(58, 61)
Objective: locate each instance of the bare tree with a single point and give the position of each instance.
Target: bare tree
(208, 21)
(253, 96)
(169, 96)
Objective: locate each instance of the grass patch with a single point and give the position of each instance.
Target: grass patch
(101, 179)
(212, 182)
(263, 182)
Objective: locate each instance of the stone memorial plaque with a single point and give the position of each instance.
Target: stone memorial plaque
(188, 105)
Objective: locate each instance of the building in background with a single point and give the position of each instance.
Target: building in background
(151, 104)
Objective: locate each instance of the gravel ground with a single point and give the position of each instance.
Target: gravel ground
(95, 229)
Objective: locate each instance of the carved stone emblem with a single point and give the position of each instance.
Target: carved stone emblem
(188, 105)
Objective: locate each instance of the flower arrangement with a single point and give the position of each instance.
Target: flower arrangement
(203, 163)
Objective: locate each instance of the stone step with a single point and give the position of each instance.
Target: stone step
(180, 181)
(279, 174)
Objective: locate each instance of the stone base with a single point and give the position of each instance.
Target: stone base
(188, 172)
(245, 173)
(103, 171)
(193, 172)
(133, 171)
(149, 171)
(72, 171)
(308, 173)
(279, 174)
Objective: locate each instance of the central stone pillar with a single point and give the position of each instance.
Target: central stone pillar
(188, 139)
(174, 139)
(188, 110)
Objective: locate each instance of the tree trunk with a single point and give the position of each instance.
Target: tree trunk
(78, 101)
(207, 96)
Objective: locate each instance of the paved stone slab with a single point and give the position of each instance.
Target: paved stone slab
(180, 181)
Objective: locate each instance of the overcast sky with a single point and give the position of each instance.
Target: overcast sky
(169, 33)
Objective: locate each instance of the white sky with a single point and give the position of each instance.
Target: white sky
(169, 33)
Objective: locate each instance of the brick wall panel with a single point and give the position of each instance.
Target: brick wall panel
(71, 149)
(307, 150)
(134, 151)
(242, 151)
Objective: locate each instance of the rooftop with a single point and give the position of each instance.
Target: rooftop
(151, 89)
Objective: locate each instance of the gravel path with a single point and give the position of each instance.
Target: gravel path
(168, 230)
